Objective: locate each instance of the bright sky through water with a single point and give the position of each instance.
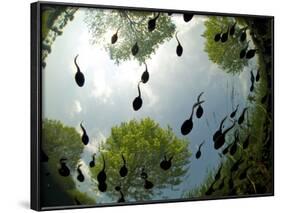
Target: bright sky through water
(173, 87)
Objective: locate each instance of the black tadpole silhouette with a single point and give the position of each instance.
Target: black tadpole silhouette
(166, 164)
(187, 17)
(145, 75)
(198, 153)
(147, 184)
(251, 53)
(93, 161)
(224, 36)
(218, 174)
(199, 111)
(244, 51)
(233, 147)
(232, 115)
(135, 49)
(246, 142)
(218, 133)
(121, 199)
(243, 35)
(114, 37)
(79, 76)
(143, 174)
(152, 23)
(123, 170)
(226, 149)
(64, 170)
(242, 116)
(85, 137)
(219, 142)
(179, 47)
(80, 176)
(101, 177)
(252, 81)
(43, 156)
(137, 103)
(236, 165)
(218, 36)
(258, 75)
(232, 29)
(187, 125)
(118, 188)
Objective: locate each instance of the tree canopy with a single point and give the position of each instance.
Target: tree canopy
(54, 19)
(226, 55)
(132, 27)
(59, 141)
(143, 145)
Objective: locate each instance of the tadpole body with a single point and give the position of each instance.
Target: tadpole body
(199, 111)
(151, 25)
(137, 103)
(218, 133)
(188, 124)
(198, 153)
(166, 163)
(123, 170)
(242, 116)
(232, 29)
(93, 161)
(64, 170)
(135, 49)
(85, 137)
(224, 36)
(187, 17)
(79, 76)
(101, 177)
(219, 142)
(114, 37)
(179, 49)
(232, 115)
(145, 75)
(80, 176)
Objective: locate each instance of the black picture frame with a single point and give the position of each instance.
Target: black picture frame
(36, 100)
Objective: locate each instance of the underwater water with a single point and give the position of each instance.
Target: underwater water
(113, 80)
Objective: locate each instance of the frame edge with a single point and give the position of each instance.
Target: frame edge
(35, 106)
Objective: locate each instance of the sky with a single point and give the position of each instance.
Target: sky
(175, 82)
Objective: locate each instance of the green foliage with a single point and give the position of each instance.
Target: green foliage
(83, 198)
(258, 156)
(54, 19)
(143, 144)
(226, 55)
(59, 141)
(133, 28)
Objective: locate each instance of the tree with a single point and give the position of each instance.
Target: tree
(226, 55)
(132, 27)
(54, 19)
(60, 141)
(143, 145)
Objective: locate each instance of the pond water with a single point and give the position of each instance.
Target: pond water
(106, 98)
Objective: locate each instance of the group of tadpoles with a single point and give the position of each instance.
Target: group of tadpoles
(186, 128)
(242, 36)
